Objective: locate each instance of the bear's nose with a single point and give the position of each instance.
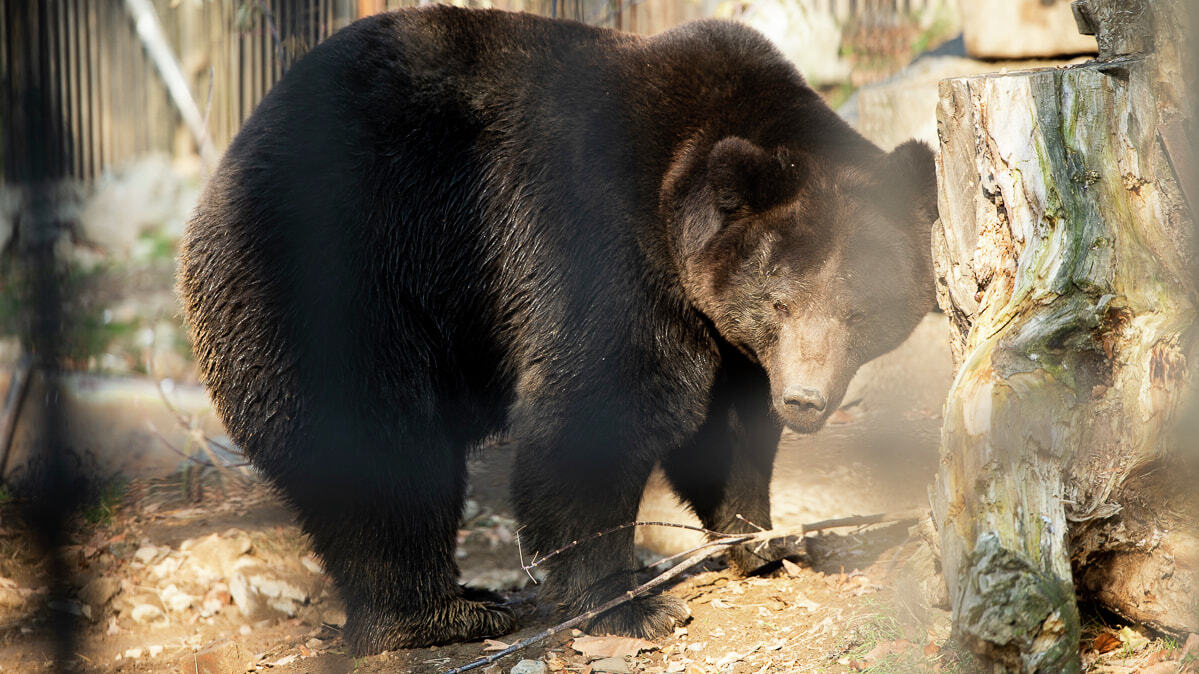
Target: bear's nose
(804, 398)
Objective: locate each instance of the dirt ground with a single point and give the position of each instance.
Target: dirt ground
(204, 571)
(837, 609)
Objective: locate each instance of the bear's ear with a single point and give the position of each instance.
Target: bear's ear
(747, 179)
(910, 173)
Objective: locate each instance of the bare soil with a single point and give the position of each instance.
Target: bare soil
(827, 612)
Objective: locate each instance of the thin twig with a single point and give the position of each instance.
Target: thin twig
(187, 457)
(864, 520)
(186, 421)
(535, 562)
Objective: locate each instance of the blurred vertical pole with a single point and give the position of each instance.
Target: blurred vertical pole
(53, 489)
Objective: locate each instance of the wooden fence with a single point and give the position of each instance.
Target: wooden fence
(79, 70)
(79, 67)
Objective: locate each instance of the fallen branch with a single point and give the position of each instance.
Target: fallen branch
(700, 553)
(912, 515)
(693, 557)
(149, 31)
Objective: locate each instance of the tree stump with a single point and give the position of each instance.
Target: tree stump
(1065, 263)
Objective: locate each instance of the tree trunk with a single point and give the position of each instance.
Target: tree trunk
(1065, 265)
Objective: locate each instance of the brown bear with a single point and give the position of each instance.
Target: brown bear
(444, 225)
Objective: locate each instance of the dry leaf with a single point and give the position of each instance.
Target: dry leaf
(611, 647)
(1131, 639)
(931, 649)
(1105, 643)
(493, 645)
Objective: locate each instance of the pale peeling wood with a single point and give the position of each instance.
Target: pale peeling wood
(1064, 264)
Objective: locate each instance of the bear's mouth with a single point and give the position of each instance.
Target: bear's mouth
(802, 421)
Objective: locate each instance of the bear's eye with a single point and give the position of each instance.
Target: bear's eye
(782, 308)
(855, 318)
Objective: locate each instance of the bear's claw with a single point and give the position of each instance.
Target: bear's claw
(649, 617)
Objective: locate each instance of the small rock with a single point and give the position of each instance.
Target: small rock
(156, 650)
(10, 597)
(244, 630)
(612, 665)
(214, 557)
(146, 554)
(144, 613)
(167, 567)
(215, 599)
(276, 588)
(1191, 647)
(285, 606)
(133, 653)
(99, 591)
(261, 596)
(244, 597)
(528, 667)
(175, 599)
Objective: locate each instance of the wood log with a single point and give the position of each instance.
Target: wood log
(1065, 263)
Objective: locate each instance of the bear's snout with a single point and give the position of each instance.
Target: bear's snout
(803, 409)
(804, 399)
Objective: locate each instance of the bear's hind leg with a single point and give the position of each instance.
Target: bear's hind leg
(383, 519)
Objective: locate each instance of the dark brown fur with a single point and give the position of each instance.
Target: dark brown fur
(445, 224)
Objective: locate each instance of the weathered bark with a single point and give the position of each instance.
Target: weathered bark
(1066, 267)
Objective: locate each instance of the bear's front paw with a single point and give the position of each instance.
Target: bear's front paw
(749, 558)
(370, 631)
(648, 617)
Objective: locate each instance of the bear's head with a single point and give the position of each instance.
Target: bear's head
(809, 266)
